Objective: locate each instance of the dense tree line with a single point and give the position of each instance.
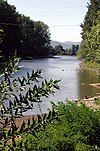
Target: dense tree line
(90, 45)
(27, 37)
(59, 50)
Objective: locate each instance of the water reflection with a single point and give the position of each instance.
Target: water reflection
(85, 78)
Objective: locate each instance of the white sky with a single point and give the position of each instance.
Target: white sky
(62, 16)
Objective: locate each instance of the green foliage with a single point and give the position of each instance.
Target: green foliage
(42, 38)
(74, 49)
(90, 45)
(91, 16)
(75, 128)
(58, 49)
(28, 37)
(17, 95)
(83, 51)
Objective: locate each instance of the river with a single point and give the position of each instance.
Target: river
(74, 81)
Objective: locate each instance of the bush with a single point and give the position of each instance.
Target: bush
(75, 128)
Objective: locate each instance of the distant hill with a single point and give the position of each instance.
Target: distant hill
(66, 44)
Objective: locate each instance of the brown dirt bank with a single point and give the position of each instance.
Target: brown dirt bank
(19, 120)
(93, 102)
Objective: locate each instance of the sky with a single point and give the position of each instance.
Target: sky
(62, 16)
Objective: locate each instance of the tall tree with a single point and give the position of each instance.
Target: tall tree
(28, 37)
(90, 45)
(9, 23)
(91, 16)
(41, 38)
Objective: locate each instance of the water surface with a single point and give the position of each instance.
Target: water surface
(74, 81)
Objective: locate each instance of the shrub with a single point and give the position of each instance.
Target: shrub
(75, 128)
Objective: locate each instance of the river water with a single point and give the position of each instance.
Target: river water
(74, 81)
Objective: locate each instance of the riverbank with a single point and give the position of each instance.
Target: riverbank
(87, 67)
(92, 103)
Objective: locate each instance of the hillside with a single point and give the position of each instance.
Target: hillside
(66, 44)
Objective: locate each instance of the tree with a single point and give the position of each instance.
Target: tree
(9, 24)
(94, 43)
(73, 50)
(83, 51)
(27, 37)
(91, 16)
(89, 48)
(41, 39)
(59, 49)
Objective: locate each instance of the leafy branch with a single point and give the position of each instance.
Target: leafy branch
(17, 95)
